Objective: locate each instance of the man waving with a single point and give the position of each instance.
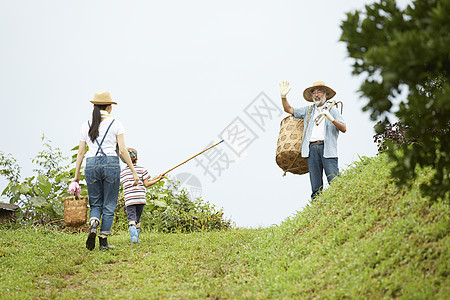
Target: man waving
(320, 141)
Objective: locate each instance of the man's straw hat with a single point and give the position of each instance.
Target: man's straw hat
(102, 98)
(307, 92)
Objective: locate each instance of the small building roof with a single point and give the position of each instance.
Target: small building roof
(7, 206)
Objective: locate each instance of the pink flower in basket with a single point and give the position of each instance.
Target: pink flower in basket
(75, 189)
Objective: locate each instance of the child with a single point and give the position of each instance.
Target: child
(135, 195)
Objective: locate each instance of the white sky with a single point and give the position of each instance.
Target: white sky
(181, 71)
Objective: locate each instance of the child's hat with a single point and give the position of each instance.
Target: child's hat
(132, 152)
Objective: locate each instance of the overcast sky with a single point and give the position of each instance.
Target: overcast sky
(181, 72)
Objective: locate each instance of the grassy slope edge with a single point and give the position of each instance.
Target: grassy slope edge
(363, 238)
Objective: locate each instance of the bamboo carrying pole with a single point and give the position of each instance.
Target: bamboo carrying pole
(192, 157)
(323, 116)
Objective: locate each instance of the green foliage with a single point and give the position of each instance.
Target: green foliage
(407, 53)
(9, 167)
(40, 197)
(169, 209)
(394, 133)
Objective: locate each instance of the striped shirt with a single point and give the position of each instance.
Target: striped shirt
(134, 194)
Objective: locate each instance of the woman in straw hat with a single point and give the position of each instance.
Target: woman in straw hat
(320, 141)
(103, 134)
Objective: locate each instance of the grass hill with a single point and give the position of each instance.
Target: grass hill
(363, 238)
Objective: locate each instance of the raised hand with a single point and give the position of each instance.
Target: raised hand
(284, 88)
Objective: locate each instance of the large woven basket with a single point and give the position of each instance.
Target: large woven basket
(288, 156)
(75, 211)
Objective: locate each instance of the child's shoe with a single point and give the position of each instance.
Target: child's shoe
(138, 229)
(133, 233)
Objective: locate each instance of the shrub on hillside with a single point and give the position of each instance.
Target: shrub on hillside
(169, 209)
(40, 197)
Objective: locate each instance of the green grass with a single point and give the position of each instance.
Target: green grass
(41, 264)
(363, 238)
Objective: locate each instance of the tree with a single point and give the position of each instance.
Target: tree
(404, 57)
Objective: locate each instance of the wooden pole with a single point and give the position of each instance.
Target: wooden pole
(192, 157)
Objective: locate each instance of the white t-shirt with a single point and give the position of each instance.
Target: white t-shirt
(318, 132)
(109, 144)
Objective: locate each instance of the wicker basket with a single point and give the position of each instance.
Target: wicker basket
(288, 156)
(75, 211)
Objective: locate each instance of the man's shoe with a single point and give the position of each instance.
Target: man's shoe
(104, 244)
(90, 242)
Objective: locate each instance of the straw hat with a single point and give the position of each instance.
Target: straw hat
(307, 92)
(102, 98)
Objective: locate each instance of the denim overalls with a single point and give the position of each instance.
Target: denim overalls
(103, 182)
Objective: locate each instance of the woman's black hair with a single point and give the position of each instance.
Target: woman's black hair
(96, 119)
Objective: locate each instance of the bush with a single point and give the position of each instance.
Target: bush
(169, 209)
(395, 133)
(39, 197)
